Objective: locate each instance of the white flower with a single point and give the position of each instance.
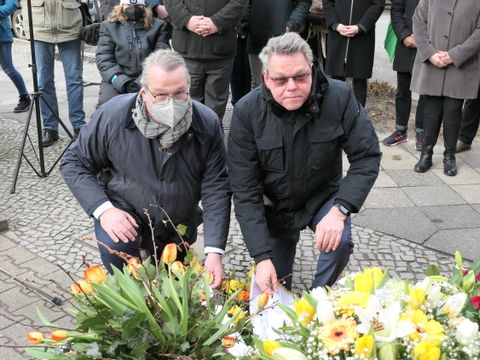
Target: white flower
(467, 330)
(454, 304)
(325, 308)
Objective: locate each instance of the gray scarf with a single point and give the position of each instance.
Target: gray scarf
(166, 135)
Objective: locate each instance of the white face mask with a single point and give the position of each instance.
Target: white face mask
(169, 112)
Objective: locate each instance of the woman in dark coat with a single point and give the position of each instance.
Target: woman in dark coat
(128, 36)
(446, 71)
(351, 40)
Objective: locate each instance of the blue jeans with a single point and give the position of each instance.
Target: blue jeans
(329, 265)
(70, 56)
(7, 66)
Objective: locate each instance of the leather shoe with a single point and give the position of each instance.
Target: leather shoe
(449, 165)
(49, 137)
(424, 163)
(461, 146)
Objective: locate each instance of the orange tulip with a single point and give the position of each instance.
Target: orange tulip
(58, 335)
(132, 267)
(81, 287)
(243, 296)
(35, 337)
(228, 342)
(178, 267)
(263, 300)
(169, 254)
(95, 274)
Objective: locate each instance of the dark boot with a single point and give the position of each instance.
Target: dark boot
(49, 137)
(23, 104)
(425, 161)
(449, 164)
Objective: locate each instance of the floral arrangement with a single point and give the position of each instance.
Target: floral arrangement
(169, 311)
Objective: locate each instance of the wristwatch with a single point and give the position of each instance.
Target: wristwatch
(343, 209)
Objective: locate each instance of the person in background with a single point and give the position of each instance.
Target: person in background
(447, 34)
(156, 150)
(7, 8)
(106, 7)
(469, 125)
(205, 33)
(285, 163)
(268, 19)
(401, 14)
(57, 24)
(127, 37)
(351, 41)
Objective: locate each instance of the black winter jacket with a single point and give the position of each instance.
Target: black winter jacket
(122, 47)
(294, 158)
(225, 14)
(112, 160)
(401, 15)
(269, 18)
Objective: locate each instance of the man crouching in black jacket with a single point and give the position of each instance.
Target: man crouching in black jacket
(157, 150)
(285, 163)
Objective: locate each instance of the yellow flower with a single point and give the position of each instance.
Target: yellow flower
(263, 300)
(133, 265)
(338, 335)
(178, 267)
(368, 280)
(270, 345)
(169, 254)
(364, 346)
(58, 335)
(81, 287)
(304, 311)
(416, 298)
(35, 337)
(353, 298)
(95, 274)
(236, 313)
(426, 329)
(426, 350)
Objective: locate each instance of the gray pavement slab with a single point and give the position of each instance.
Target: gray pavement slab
(467, 241)
(471, 193)
(387, 198)
(453, 216)
(413, 179)
(433, 195)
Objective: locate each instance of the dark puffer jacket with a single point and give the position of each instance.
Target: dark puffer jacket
(122, 47)
(294, 158)
(112, 160)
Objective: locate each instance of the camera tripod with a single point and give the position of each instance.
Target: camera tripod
(35, 98)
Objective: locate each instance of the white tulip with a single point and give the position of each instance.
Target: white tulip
(454, 304)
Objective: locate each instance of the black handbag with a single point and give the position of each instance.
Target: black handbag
(90, 34)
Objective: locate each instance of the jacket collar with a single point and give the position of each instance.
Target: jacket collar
(313, 103)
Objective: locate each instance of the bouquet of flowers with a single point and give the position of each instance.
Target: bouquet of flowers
(372, 315)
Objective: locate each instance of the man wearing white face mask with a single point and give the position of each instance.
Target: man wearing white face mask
(155, 150)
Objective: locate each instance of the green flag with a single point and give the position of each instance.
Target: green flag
(390, 42)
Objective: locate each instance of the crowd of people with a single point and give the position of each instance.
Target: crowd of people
(157, 139)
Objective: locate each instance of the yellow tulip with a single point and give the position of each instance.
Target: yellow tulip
(368, 280)
(416, 298)
(270, 345)
(81, 287)
(178, 267)
(35, 337)
(133, 265)
(169, 254)
(304, 311)
(95, 274)
(263, 300)
(58, 335)
(426, 350)
(364, 346)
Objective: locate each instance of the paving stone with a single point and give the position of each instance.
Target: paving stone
(453, 216)
(466, 176)
(467, 241)
(3, 224)
(471, 193)
(387, 198)
(384, 180)
(433, 195)
(410, 178)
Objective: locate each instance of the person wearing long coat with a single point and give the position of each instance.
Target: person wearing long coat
(401, 14)
(446, 70)
(351, 41)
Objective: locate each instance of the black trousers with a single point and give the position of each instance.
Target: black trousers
(403, 103)
(438, 108)
(359, 89)
(241, 82)
(470, 120)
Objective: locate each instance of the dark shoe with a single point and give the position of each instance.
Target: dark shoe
(418, 140)
(424, 163)
(461, 146)
(397, 137)
(23, 104)
(76, 132)
(49, 137)
(449, 165)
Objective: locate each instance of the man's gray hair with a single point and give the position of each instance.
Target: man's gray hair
(166, 59)
(288, 43)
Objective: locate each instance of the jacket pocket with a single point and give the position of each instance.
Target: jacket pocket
(270, 150)
(38, 13)
(71, 16)
(323, 147)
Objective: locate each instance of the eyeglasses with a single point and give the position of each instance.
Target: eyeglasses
(299, 79)
(163, 98)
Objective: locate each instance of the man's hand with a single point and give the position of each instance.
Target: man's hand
(162, 13)
(208, 27)
(437, 60)
(445, 57)
(266, 276)
(119, 225)
(213, 264)
(409, 42)
(328, 233)
(194, 24)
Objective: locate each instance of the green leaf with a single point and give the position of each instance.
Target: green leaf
(161, 301)
(458, 259)
(44, 320)
(44, 355)
(219, 333)
(113, 300)
(131, 288)
(432, 270)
